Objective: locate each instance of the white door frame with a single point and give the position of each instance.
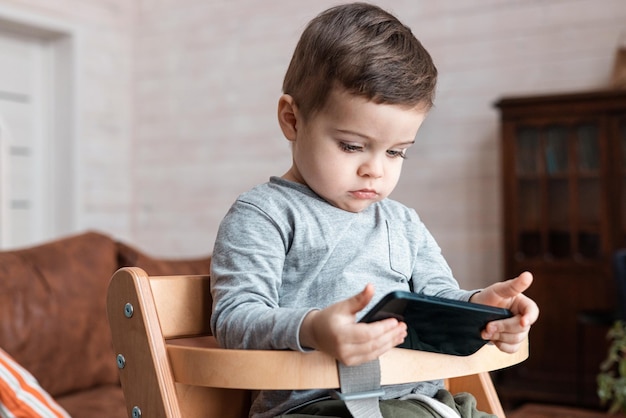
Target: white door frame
(62, 170)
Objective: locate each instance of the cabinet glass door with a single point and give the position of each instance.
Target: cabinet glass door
(588, 189)
(558, 196)
(528, 168)
(622, 169)
(559, 190)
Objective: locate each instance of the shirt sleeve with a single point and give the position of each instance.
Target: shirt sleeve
(246, 271)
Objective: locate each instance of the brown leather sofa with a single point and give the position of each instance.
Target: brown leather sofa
(53, 319)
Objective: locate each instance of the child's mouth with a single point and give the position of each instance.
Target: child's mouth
(364, 194)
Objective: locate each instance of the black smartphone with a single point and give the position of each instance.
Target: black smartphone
(437, 324)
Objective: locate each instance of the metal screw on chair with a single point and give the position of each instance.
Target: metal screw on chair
(121, 361)
(128, 310)
(136, 412)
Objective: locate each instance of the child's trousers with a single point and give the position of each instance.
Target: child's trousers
(463, 404)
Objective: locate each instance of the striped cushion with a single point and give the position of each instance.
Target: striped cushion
(20, 393)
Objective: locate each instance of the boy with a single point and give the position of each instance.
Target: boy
(291, 254)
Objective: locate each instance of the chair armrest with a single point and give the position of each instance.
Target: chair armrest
(281, 370)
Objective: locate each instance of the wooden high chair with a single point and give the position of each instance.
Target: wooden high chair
(171, 366)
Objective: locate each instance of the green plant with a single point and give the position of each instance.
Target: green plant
(612, 377)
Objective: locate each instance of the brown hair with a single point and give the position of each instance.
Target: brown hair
(365, 50)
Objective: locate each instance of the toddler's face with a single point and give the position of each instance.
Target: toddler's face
(351, 152)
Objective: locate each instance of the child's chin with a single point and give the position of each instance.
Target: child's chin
(355, 207)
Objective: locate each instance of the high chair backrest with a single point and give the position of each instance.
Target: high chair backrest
(171, 366)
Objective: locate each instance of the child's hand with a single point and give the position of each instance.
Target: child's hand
(334, 331)
(508, 334)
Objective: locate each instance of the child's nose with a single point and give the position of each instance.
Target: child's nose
(372, 167)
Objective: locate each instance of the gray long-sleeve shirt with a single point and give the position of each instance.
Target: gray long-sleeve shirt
(282, 251)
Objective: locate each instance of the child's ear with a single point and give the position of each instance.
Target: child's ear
(288, 116)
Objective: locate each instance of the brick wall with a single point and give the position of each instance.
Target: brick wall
(209, 75)
(179, 103)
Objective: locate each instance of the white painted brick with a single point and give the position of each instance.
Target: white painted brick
(178, 108)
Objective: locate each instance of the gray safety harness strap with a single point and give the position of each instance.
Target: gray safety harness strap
(360, 389)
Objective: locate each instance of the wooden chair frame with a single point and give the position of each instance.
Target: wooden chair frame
(170, 365)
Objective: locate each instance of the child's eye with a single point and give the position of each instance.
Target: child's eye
(350, 147)
(395, 153)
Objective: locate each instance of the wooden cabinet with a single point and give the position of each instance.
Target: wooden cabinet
(564, 190)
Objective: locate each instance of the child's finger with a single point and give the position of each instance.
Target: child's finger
(382, 336)
(514, 325)
(359, 301)
(513, 287)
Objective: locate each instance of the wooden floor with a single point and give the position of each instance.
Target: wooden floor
(551, 411)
